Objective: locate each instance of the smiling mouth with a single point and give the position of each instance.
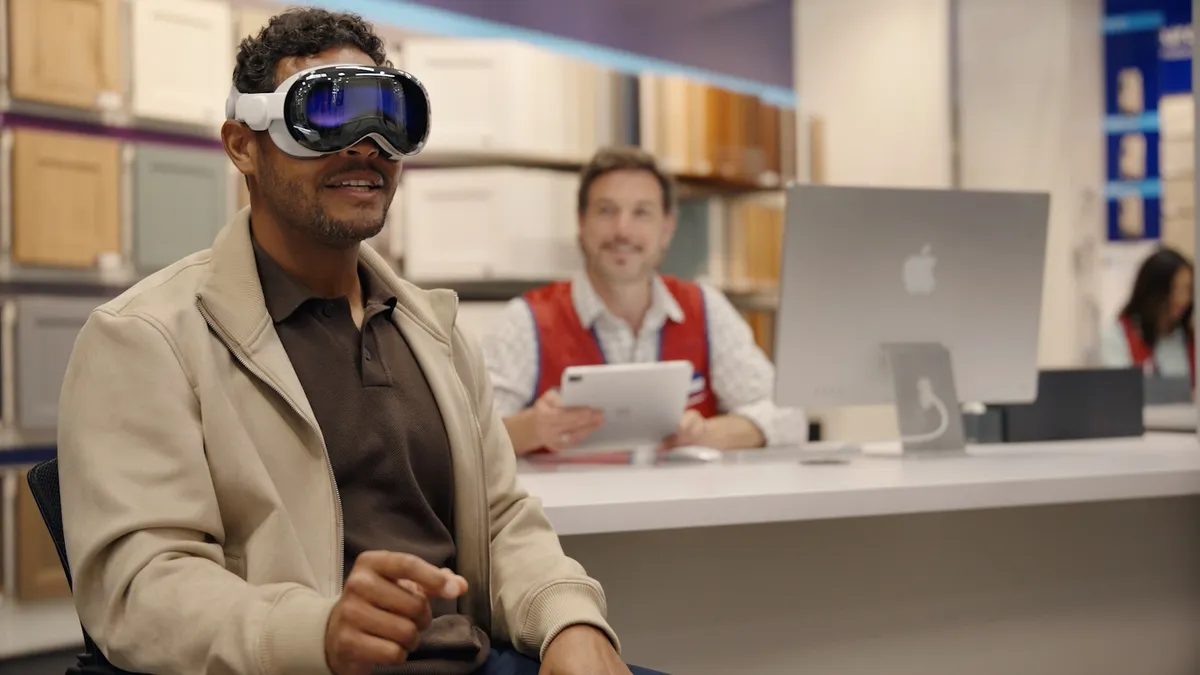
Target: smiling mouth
(622, 249)
(360, 180)
(357, 185)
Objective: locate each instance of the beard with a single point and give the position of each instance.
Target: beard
(296, 206)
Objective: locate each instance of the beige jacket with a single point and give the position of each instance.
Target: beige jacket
(203, 524)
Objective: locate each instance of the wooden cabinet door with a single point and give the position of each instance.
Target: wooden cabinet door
(699, 161)
(523, 88)
(716, 131)
(608, 109)
(395, 53)
(248, 22)
(762, 326)
(649, 116)
(45, 335)
(462, 78)
(490, 223)
(453, 230)
(189, 86)
(66, 198)
(39, 573)
(582, 109)
(65, 52)
(675, 124)
(771, 144)
(180, 202)
(735, 138)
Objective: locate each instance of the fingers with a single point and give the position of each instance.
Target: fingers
(568, 439)
(566, 427)
(579, 420)
(551, 401)
(364, 651)
(690, 431)
(376, 622)
(412, 587)
(396, 566)
(569, 432)
(383, 609)
(402, 598)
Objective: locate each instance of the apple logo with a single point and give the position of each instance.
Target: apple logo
(918, 272)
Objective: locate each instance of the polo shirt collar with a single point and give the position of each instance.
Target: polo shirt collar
(590, 306)
(284, 294)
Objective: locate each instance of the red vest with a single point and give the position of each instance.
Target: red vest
(562, 340)
(1141, 354)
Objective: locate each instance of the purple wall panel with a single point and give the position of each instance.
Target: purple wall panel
(744, 38)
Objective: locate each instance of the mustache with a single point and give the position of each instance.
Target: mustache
(351, 165)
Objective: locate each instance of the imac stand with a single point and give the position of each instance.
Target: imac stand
(927, 407)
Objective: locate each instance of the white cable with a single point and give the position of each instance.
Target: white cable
(929, 399)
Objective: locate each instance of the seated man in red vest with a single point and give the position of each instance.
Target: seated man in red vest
(620, 310)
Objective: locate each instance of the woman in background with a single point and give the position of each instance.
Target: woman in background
(1154, 330)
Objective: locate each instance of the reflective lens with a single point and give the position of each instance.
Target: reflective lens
(333, 108)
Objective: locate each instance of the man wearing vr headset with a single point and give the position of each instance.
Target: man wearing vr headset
(278, 458)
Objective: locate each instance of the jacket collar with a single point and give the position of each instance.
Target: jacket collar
(233, 295)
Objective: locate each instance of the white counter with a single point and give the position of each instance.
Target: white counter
(1034, 559)
(773, 486)
(1040, 559)
(1178, 417)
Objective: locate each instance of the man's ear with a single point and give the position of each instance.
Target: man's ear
(241, 145)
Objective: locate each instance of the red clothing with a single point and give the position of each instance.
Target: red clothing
(1141, 354)
(563, 340)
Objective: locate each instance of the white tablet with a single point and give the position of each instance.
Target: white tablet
(642, 402)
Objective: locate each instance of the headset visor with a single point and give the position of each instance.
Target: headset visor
(333, 108)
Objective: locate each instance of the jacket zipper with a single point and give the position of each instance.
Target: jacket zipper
(341, 550)
(482, 558)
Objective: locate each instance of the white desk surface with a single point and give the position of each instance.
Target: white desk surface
(761, 486)
(1170, 417)
(772, 486)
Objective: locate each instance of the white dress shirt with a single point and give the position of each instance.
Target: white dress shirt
(740, 374)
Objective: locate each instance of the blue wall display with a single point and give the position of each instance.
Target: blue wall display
(1147, 55)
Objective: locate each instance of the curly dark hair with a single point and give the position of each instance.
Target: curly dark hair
(300, 31)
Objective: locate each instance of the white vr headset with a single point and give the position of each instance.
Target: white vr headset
(326, 109)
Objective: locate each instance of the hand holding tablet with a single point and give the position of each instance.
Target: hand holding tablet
(642, 404)
(557, 427)
(690, 432)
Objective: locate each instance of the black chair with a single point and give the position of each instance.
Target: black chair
(43, 483)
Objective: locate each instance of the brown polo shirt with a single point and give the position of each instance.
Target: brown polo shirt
(386, 440)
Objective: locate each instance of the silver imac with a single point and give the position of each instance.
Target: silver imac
(920, 298)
